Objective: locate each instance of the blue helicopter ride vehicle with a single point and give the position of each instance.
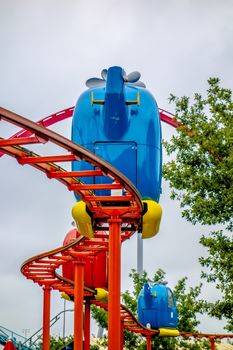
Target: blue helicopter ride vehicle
(157, 309)
(118, 119)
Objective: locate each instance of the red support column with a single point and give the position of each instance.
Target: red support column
(87, 328)
(46, 318)
(212, 343)
(148, 342)
(78, 304)
(114, 284)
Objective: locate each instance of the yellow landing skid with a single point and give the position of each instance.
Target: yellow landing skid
(151, 219)
(82, 219)
(168, 332)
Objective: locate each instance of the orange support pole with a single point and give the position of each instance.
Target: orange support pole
(114, 284)
(148, 342)
(212, 343)
(78, 304)
(87, 328)
(46, 318)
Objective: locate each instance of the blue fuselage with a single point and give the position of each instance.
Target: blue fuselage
(157, 307)
(126, 135)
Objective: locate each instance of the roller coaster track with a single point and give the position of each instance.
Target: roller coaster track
(128, 208)
(42, 268)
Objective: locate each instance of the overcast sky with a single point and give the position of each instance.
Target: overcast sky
(48, 49)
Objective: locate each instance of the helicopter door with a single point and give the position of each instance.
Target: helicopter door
(122, 155)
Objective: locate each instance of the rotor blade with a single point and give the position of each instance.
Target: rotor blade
(104, 74)
(94, 82)
(138, 83)
(133, 77)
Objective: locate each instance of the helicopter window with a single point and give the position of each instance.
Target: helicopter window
(170, 299)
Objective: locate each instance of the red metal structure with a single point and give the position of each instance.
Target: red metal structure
(9, 346)
(115, 219)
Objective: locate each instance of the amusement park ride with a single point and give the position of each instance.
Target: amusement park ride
(116, 162)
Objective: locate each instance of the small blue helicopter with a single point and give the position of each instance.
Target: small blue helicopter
(157, 309)
(118, 120)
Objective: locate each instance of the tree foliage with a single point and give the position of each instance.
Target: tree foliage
(100, 315)
(57, 343)
(201, 175)
(188, 305)
(219, 269)
(201, 178)
(60, 343)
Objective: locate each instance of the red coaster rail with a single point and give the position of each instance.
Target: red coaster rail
(42, 269)
(112, 210)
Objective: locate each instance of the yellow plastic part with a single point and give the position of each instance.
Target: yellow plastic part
(134, 102)
(65, 296)
(102, 295)
(151, 219)
(82, 219)
(168, 332)
(96, 102)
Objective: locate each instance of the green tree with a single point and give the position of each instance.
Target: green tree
(201, 177)
(188, 306)
(58, 343)
(219, 266)
(100, 315)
